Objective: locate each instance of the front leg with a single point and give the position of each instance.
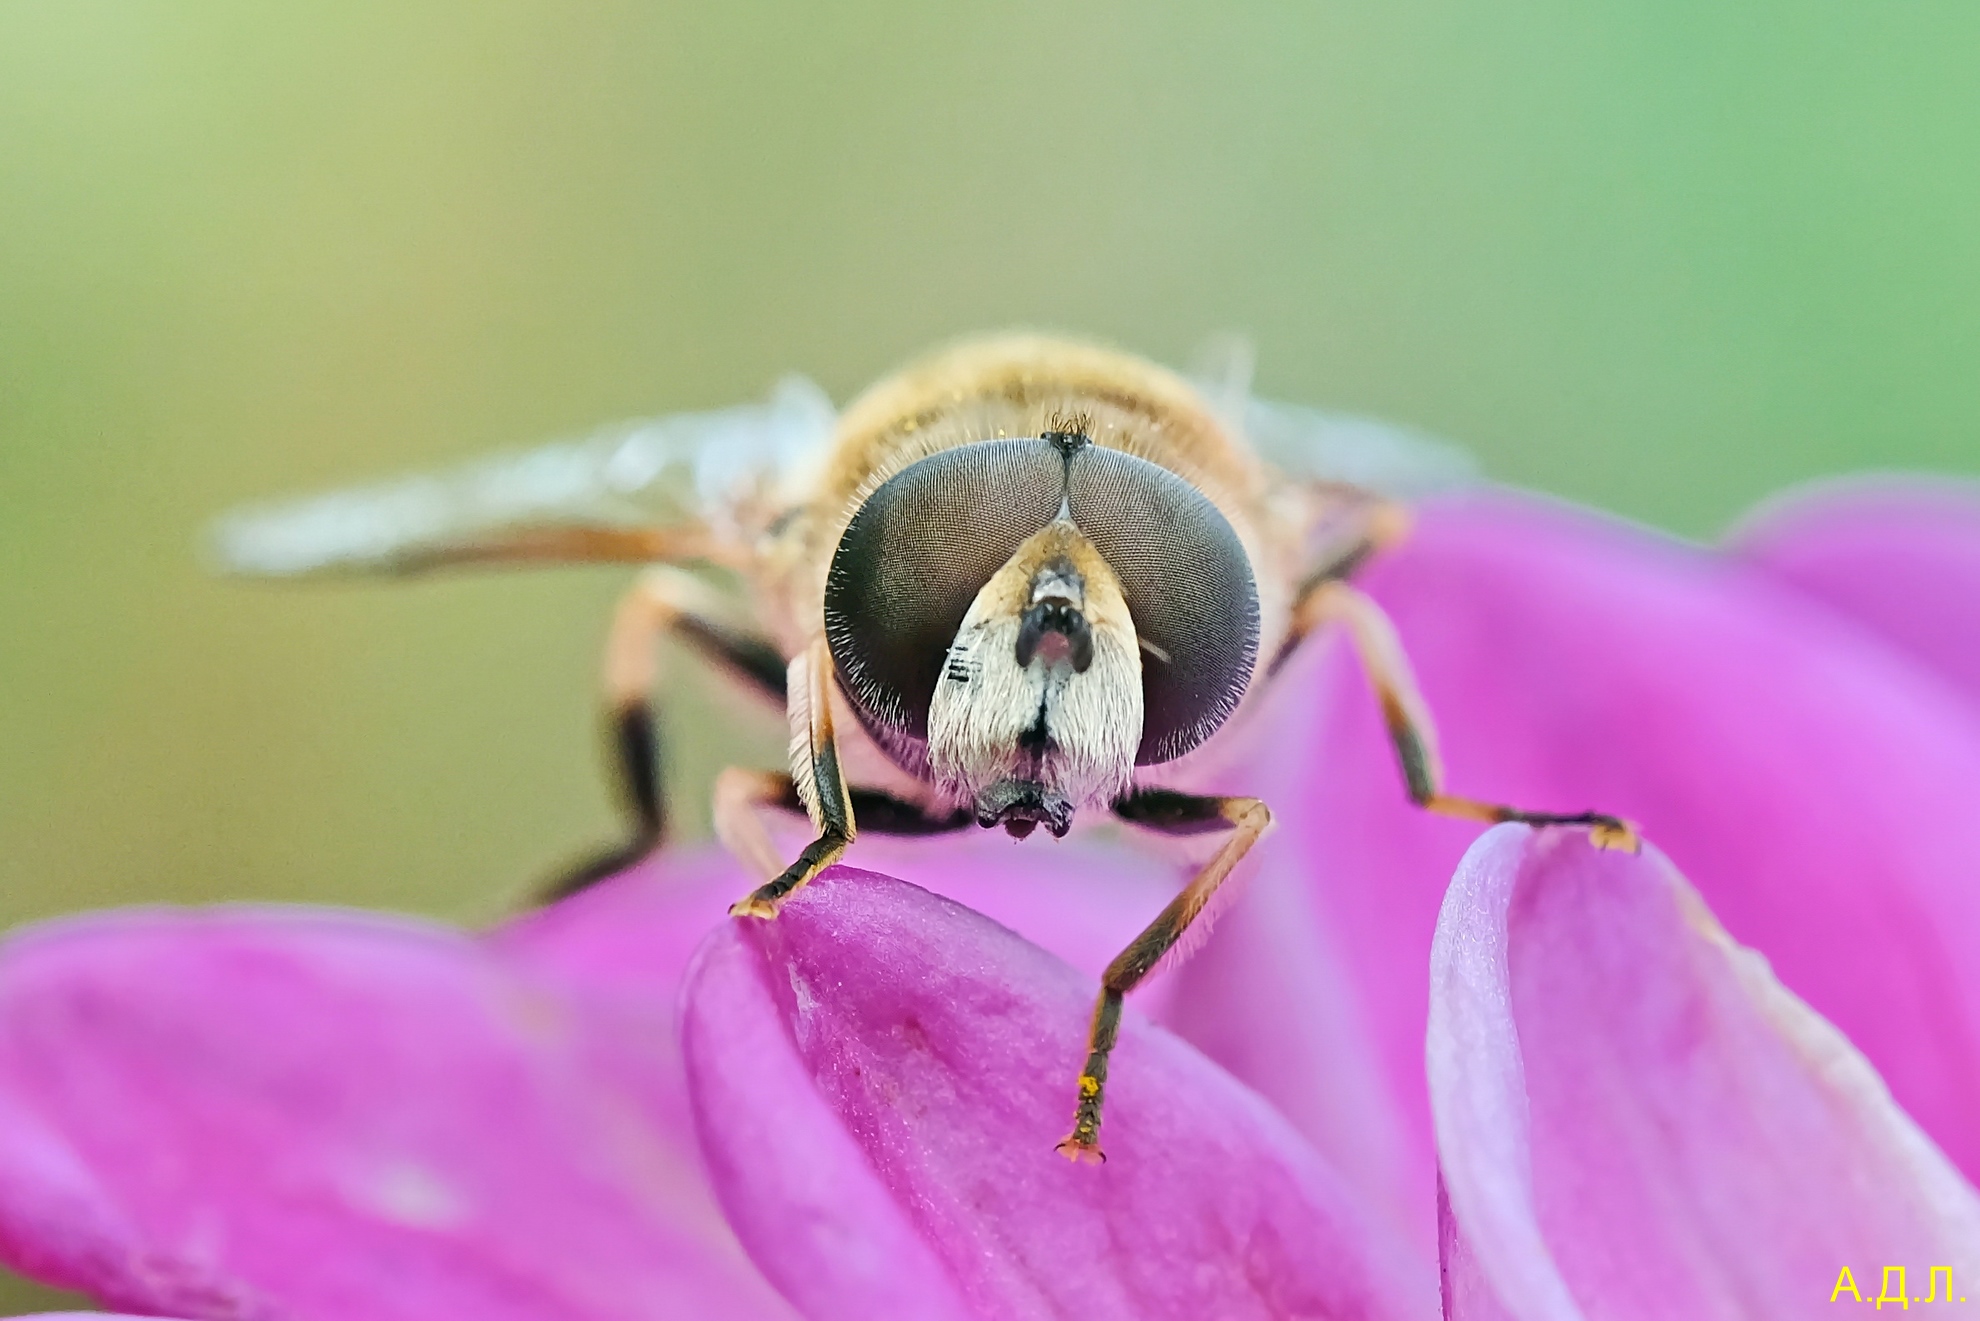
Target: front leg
(1408, 717)
(820, 784)
(1166, 938)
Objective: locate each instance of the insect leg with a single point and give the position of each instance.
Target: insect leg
(664, 599)
(881, 813)
(1370, 527)
(741, 796)
(1166, 938)
(1410, 726)
(816, 775)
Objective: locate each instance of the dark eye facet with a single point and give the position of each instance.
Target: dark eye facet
(1188, 586)
(914, 557)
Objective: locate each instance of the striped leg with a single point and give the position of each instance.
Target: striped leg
(1408, 717)
(664, 599)
(1166, 938)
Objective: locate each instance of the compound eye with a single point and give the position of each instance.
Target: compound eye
(1189, 589)
(913, 558)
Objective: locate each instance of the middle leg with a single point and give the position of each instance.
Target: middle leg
(664, 599)
(1407, 716)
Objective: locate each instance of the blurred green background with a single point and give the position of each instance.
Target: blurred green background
(1661, 257)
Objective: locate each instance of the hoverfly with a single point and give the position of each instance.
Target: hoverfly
(1022, 578)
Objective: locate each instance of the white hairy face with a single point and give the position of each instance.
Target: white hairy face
(1007, 718)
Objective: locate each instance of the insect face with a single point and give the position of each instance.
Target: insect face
(1039, 708)
(1023, 622)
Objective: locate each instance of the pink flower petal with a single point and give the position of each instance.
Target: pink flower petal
(879, 1077)
(1901, 556)
(1271, 999)
(312, 1114)
(1818, 789)
(1636, 1120)
(622, 947)
(1083, 899)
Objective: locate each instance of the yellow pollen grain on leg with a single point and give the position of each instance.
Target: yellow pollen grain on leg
(1089, 1086)
(1620, 836)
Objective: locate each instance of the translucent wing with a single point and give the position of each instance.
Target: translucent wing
(1326, 446)
(606, 496)
(1356, 451)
